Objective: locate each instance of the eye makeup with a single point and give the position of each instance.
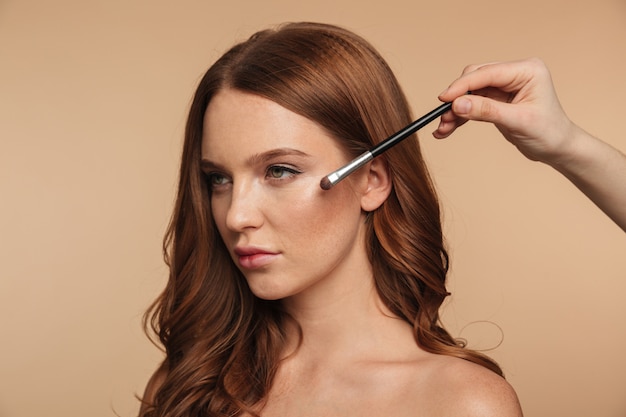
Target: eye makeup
(277, 166)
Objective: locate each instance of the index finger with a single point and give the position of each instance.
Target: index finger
(481, 79)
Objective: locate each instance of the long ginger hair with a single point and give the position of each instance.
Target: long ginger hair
(223, 345)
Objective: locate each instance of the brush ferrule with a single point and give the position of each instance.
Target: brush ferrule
(338, 175)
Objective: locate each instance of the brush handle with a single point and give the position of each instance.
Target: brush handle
(410, 129)
(334, 177)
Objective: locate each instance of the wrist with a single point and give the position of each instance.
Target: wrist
(577, 152)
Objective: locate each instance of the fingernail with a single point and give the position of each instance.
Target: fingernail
(443, 92)
(462, 106)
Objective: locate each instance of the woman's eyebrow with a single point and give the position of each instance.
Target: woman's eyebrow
(264, 157)
(206, 165)
(275, 153)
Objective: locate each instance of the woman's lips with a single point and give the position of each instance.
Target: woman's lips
(252, 258)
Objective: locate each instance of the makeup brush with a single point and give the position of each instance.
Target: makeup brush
(334, 177)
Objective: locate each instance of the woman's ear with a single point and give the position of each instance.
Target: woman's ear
(378, 185)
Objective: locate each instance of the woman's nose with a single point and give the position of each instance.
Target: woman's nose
(244, 210)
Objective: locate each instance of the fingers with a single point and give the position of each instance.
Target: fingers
(474, 67)
(448, 124)
(496, 80)
(446, 128)
(471, 107)
(479, 108)
(493, 86)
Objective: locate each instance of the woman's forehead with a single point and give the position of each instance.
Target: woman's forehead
(248, 123)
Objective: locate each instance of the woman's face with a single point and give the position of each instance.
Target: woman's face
(263, 164)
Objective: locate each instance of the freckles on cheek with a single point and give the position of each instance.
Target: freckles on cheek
(317, 213)
(300, 207)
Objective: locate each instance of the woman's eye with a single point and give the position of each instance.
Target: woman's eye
(217, 180)
(280, 172)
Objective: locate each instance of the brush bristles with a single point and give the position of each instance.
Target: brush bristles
(326, 184)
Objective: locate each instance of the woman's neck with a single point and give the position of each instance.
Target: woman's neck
(347, 322)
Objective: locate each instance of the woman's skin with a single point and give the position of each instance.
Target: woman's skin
(519, 98)
(304, 246)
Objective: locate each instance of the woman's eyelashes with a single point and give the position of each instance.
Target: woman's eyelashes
(216, 180)
(273, 174)
(281, 172)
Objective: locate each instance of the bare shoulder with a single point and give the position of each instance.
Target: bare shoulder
(460, 388)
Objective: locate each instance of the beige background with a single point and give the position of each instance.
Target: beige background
(93, 96)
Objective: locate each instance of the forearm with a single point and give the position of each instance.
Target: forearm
(599, 171)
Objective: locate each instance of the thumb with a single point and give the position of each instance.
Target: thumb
(474, 107)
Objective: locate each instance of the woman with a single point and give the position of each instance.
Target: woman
(284, 299)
